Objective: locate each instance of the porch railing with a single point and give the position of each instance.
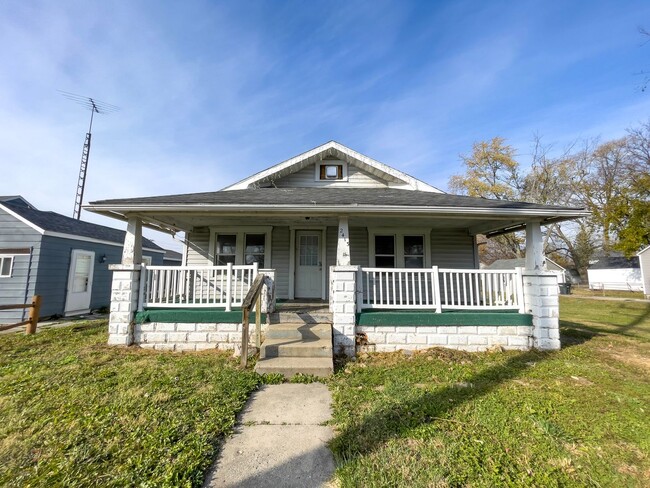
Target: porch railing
(437, 289)
(195, 286)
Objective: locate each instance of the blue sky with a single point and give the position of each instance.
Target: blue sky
(213, 91)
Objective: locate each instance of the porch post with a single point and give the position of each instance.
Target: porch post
(540, 292)
(343, 243)
(125, 286)
(343, 295)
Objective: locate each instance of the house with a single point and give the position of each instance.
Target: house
(644, 266)
(62, 259)
(392, 259)
(613, 271)
(172, 258)
(550, 265)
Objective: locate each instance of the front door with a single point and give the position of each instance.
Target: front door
(80, 282)
(309, 268)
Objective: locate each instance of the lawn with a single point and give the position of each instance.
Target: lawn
(76, 412)
(575, 417)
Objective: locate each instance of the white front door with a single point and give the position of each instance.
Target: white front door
(309, 268)
(80, 282)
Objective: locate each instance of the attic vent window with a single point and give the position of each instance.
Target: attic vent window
(331, 172)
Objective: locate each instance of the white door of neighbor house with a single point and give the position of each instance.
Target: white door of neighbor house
(309, 268)
(80, 282)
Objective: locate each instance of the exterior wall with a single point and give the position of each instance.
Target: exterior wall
(54, 268)
(280, 260)
(466, 338)
(305, 179)
(21, 286)
(198, 247)
(615, 279)
(191, 336)
(644, 260)
(453, 249)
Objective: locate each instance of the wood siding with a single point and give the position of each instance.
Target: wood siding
(280, 238)
(305, 179)
(16, 289)
(453, 249)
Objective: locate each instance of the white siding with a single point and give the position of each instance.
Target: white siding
(644, 259)
(305, 179)
(198, 243)
(359, 246)
(280, 260)
(615, 279)
(453, 249)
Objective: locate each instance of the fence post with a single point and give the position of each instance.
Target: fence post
(258, 322)
(228, 286)
(34, 311)
(143, 280)
(244, 337)
(435, 284)
(520, 289)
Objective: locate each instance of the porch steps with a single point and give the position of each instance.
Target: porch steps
(297, 347)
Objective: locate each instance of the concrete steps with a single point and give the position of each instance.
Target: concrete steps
(297, 347)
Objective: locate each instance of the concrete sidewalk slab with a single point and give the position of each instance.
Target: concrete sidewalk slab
(280, 440)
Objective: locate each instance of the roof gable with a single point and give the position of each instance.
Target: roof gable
(333, 150)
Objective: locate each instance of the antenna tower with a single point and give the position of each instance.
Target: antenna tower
(95, 107)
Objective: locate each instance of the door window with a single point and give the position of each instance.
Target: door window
(308, 250)
(81, 273)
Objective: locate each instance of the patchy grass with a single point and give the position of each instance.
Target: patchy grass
(575, 417)
(76, 412)
(584, 291)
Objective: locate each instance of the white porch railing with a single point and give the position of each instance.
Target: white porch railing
(437, 289)
(195, 286)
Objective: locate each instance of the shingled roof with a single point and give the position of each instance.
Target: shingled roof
(55, 222)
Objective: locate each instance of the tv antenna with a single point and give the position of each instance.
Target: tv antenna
(96, 107)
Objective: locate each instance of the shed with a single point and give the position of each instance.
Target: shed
(644, 265)
(60, 258)
(614, 271)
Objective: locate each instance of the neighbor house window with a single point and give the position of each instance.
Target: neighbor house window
(243, 245)
(147, 260)
(6, 266)
(401, 249)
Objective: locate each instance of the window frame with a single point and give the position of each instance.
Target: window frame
(12, 259)
(320, 173)
(399, 234)
(240, 234)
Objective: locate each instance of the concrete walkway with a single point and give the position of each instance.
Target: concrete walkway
(280, 440)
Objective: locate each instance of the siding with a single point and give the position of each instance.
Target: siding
(453, 249)
(305, 179)
(644, 261)
(280, 260)
(54, 267)
(359, 246)
(198, 243)
(16, 234)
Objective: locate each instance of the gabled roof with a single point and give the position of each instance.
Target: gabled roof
(57, 225)
(16, 200)
(333, 149)
(614, 261)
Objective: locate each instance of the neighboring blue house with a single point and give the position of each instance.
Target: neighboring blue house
(62, 259)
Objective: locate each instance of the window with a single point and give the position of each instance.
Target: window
(399, 249)
(6, 266)
(243, 245)
(334, 170)
(147, 260)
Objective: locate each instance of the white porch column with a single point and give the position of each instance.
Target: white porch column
(343, 294)
(541, 292)
(343, 243)
(125, 286)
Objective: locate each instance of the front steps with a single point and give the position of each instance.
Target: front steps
(297, 342)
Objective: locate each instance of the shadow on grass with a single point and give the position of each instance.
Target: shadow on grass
(572, 330)
(399, 416)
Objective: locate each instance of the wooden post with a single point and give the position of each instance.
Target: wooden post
(34, 311)
(258, 321)
(244, 337)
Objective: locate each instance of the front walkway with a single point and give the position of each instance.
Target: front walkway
(280, 440)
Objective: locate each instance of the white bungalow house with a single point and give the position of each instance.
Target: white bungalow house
(391, 259)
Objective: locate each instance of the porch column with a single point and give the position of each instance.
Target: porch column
(125, 286)
(540, 292)
(343, 243)
(343, 294)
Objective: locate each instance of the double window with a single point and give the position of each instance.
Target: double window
(243, 247)
(399, 250)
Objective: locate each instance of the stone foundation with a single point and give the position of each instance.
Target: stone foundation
(467, 338)
(180, 337)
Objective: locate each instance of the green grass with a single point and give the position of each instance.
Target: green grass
(584, 291)
(575, 417)
(76, 412)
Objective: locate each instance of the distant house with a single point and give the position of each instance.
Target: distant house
(172, 258)
(644, 264)
(62, 259)
(615, 272)
(563, 276)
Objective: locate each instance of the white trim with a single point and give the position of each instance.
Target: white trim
(91, 275)
(331, 162)
(11, 266)
(292, 257)
(399, 233)
(410, 181)
(240, 233)
(22, 219)
(97, 241)
(643, 250)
